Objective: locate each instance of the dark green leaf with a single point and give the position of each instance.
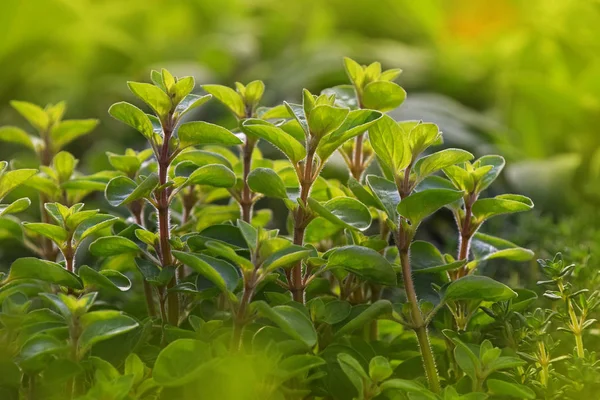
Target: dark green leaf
(225, 278)
(363, 262)
(386, 193)
(181, 362)
(213, 175)
(420, 205)
(267, 182)
(105, 326)
(290, 320)
(476, 287)
(503, 388)
(34, 268)
(344, 211)
(122, 190)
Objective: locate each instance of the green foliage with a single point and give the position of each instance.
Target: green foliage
(341, 301)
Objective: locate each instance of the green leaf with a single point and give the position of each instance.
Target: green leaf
(227, 252)
(286, 257)
(34, 268)
(345, 96)
(297, 111)
(440, 160)
(390, 144)
(267, 182)
(181, 362)
(53, 232)
(408, 386)
(354, 371)
(356, 123)
(106, 279)
(213, 175)
(107, 325)
(15, 207)
(383, 96)
(476, 287)
(380, 369)
(35, 115)
(254, 92)
(93, 225)
(335, 311)
(157, 99)
(325, 119)
(293, 149)
(112, 246)
(503, 388)
(344, 211)
(203, 133)
(421, 135)
(12, 179)
(355, 72)
(370, 313)
(190, 102)
(420, 205)
(129, 164)
(64, 164)
(36, 350)
(497, 165)
(485, 247)
(484, 209)
(12, 134)
(362, 194)
(182, 88)
(277, 112)
(386, 194)
(134, 117)
(290, 320)
(202, 158)
(229, 97)
(58, 212)
(122, 190)
(364, 262)
(65, 132)
(220, 278)
(426, 258)
(297, 365)
(74, 218)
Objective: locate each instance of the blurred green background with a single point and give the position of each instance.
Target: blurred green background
(518, 78)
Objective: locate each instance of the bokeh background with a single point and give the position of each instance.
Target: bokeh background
(517, 78)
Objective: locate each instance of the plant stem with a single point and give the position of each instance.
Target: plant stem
(164, 229)
(575, 325)
(301, 219)
(240, 318)
(465, 234)
(375, 295)
(420, 327)
(579, 343)
(137, 210)
(576, 330)
(246, 198)
(357, 163)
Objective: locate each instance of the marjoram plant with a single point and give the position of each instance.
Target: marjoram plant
(345, 303)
